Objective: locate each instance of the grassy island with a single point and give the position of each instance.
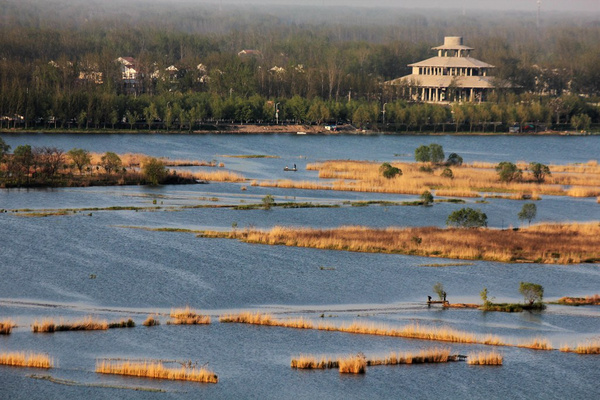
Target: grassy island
(545, 243)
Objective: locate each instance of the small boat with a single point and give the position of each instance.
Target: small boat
(300, 133)
(290, 169)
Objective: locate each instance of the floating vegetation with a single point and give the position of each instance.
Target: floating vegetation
(485, 358)
(23, 359)
(187, 316)
(155, 370)
(6, 327)
(249, 156)
(68, 382)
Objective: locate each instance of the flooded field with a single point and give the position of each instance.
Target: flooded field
(93, 260)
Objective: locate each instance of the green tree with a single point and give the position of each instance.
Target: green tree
(131, 118)
(532, 292)
(423, 154)
(508, 172)
(388, 171)
(154, 171)
(110, 162)
(437, 153)
(318, 111)
(454, 159)
(528, 212)
(427, 198)
(22, 161)
(467, 218)
(268, 201)
(484, 298)
(438, 288)
(539, 171)
(80, 158)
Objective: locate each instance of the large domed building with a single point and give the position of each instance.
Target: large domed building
(453, 75)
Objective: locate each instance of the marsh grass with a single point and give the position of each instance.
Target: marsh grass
(6, 326)
(30, 360)
(353, 364)
(445, 334)
(420, 357)
(314, 362)
(129, 323)
(215, 176)
(485, 358)
(536, 344)
(155, 370)
(151, 321)
(187, 316)
(589, 347)
(545, 243)
(86, 324)
(580, 301)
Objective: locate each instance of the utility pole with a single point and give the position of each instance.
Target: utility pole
(384, 104)
(539, 7)
(277, 113)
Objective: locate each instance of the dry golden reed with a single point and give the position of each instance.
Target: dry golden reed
(445, 334)
(353, 365)
(544, 243)
(536, 344)
(151, 321)
(6, 327)
(30, 360)
(187, 316)
(485, 358)
(86, 324)
(434, 355)
(155, 370)
(314, 362)
(215, 176)
(469, 180)
(589, 347)
(580, 301)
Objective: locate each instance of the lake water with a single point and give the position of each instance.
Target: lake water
(47, 264)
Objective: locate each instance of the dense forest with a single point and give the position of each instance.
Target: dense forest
(58, 65)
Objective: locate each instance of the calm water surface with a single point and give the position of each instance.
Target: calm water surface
(47, 263)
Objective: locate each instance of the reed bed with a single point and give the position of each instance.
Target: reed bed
(187, 316)
(137, 160)
(214, 176)
(86, 324)
(155, 370)
(151, 321)
(30, 360)
(314, 362)
(590, 347)
(485, 358)
(468, 180)
(128, 323)
(546, 243)
(353, 365)
(6, 326)
(410, 331)
(580, 301)
(421, 357)
(536, 344)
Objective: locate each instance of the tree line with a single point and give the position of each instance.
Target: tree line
(331, 71)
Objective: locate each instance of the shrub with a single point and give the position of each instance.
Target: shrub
(532, 292)
(447, 173)
(426, 198)
(388, 171)
(508, 172)
(154, 171)
(454, 159)
(467, 218)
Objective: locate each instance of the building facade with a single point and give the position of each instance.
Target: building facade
(453, 75)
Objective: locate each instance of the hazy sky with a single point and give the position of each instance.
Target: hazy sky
(521, 5)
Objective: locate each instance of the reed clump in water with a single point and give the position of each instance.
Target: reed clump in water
(215, 176)
(590, 347)
(151, 321)
(580, 301)
(537, 344)
(30, 360)
(187, 316)
(485, 358)
(420, 357)
(547, 243)
(6, 327)
(314, 362)
(410, 331)
(86, 324)
(353, 365)
(129, 323)
(155, 370)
